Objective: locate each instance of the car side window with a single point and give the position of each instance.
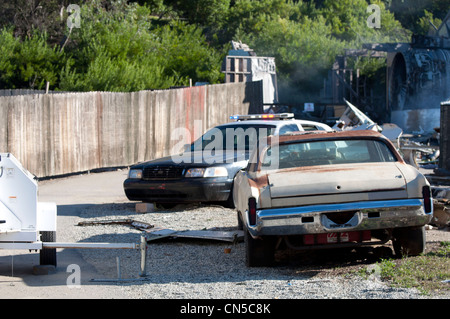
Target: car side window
(289, 128)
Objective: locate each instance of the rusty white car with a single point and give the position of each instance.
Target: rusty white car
(327, 190)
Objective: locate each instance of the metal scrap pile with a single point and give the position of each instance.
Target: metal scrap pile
(417, 149)
(441, 203)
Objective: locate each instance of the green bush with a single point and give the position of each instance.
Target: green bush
(29, 63)
(156, 44)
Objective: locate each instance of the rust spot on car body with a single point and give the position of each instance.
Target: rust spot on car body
(259, 181)
(318, 168)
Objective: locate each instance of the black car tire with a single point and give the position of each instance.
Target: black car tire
(409, 241)
(259, 252)
(229, 203)
(240, 222)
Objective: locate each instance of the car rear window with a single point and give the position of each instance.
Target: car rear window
(327, 152)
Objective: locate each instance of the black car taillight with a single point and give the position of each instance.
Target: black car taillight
(427, 199)
(252, 211)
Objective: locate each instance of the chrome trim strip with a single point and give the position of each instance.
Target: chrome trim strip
(289, 220)
(329, 208)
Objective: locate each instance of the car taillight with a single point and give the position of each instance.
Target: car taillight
(427, 199)
(252, 211)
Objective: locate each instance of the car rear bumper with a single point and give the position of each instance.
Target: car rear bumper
(178, 191)
(358, 216)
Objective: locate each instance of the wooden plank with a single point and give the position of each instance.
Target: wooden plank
(227, 236)
(127, 221)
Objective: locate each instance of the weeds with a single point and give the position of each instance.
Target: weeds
(427, 272)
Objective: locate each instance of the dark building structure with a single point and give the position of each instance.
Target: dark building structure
(417, 80)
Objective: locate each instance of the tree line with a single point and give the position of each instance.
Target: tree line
(118, 45)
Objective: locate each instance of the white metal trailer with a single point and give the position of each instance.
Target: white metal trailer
(26, 223)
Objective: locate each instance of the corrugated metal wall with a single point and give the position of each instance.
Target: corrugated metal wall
(444, 157)
(55, 134)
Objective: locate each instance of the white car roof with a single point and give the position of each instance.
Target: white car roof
(279, 123)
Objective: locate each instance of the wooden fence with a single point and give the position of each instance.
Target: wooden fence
(56, 134)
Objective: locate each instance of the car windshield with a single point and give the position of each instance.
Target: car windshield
(327, 153)
(232, 137)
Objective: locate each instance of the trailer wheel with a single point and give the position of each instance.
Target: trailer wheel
(47, 256)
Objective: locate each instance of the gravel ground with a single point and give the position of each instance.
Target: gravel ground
(182, 268)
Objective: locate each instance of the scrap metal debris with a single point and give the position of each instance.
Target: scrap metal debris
(417, 149)
(354, 119)
(156, 233)
(232, 236)
(130, 222)
(441, 203)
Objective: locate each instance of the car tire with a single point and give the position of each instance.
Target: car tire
(409, 241)
(229, 203)
(240, 222)
(259, 252)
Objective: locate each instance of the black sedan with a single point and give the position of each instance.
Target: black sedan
(205, 172)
